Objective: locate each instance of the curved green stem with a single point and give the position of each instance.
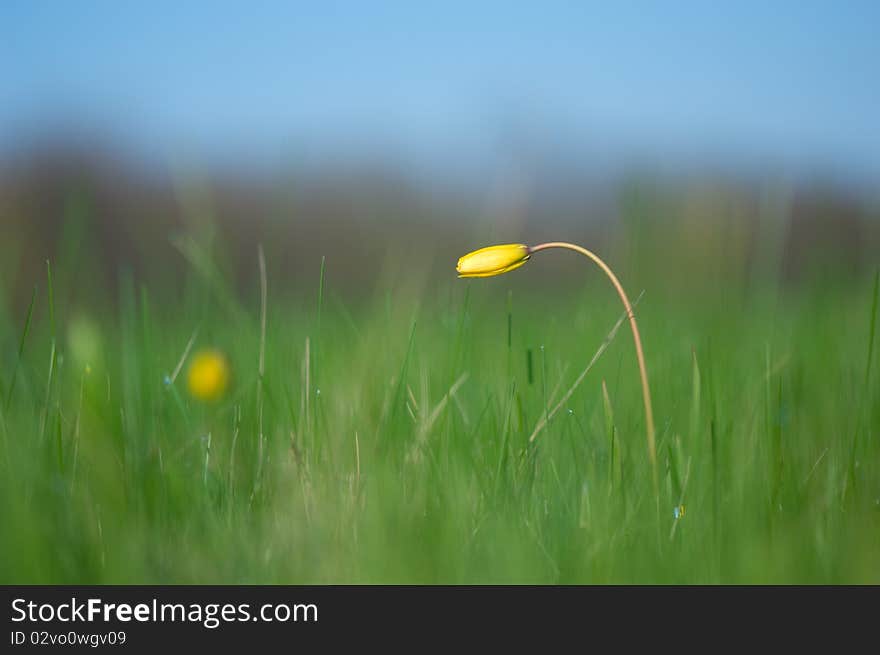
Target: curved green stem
(646, 392)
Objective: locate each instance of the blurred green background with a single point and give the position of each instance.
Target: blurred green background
(377, 425)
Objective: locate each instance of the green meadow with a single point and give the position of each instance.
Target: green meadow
(426, 429)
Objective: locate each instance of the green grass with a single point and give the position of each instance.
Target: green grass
(387, 440)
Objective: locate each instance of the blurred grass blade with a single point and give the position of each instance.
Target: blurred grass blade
(695, 398)
(614, 456)
(872, 328)
(24, 333)
(51, 299)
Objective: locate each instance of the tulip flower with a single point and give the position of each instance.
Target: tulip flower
(495, 260)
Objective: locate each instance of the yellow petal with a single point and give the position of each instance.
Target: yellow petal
(493, 260)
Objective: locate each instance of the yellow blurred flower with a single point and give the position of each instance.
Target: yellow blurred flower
(493, 260)
(208, 375)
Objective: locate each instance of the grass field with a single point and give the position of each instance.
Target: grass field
(388, 438)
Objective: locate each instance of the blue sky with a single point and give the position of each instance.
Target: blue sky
(795, 80)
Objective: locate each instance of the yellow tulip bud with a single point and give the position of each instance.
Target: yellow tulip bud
(493, 260)
(208, 375)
